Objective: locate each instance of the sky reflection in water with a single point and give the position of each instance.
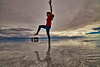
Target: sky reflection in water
(63, 53)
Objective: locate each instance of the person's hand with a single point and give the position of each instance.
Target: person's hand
(50, 2)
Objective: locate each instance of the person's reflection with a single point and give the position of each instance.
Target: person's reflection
(36, 39)
(32, 39)
(47, 59)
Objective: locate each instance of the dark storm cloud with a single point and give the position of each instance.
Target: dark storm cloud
(95, 32)
(96, 28)
(22, 12)
(88, 13)
(32, 13)
(20, 29)
(7, 32)
(20, 32)
(16, 29)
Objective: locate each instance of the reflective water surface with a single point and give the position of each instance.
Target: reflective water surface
(60, 53)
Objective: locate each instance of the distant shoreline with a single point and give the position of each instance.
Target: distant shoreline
(89, 40)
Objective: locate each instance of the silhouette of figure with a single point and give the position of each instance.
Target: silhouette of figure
(50, 17)
(32, 39)
(47, 59)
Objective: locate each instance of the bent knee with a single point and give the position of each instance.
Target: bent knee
(40, 25)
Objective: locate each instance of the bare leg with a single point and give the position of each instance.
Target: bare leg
(36, 33)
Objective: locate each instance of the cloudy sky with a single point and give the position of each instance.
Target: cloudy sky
(21, 18)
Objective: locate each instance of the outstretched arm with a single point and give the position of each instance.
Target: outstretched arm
(50, 6)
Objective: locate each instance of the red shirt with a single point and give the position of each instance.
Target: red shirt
(49, 19)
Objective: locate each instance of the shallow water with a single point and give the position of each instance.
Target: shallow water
(63, 53)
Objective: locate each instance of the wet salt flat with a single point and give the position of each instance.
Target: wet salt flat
(63, 53)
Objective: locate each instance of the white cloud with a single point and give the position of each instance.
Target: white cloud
(79, 32)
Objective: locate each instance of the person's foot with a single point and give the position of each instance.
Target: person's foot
(35, 34)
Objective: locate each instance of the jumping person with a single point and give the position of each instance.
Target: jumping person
(50, 17)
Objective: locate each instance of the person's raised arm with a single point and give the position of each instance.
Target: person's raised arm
(50, 6)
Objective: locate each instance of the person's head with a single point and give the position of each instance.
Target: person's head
(49, 13)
